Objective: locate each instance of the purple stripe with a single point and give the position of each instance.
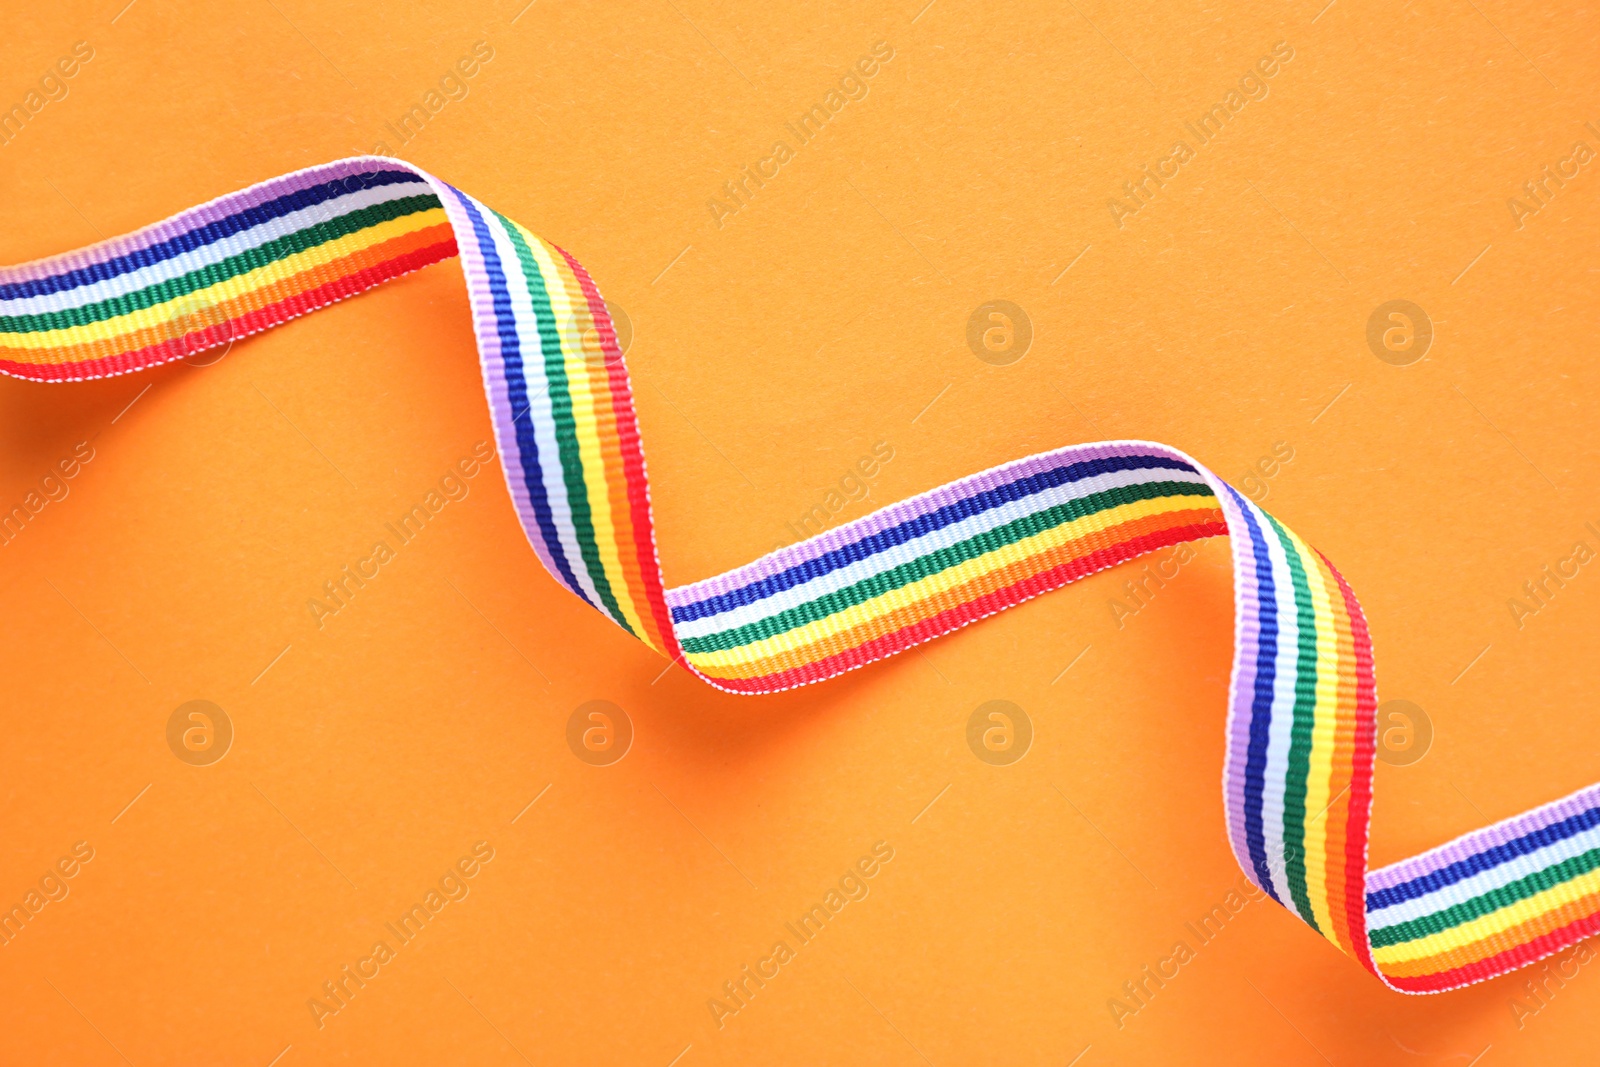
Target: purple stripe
(493, 311)
(193, 219)
(491, 360)
(1485, 840)
(1242, 689)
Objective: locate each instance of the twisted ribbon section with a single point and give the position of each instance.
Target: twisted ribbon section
(1301, 721)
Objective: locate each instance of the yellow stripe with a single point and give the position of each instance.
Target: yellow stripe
(935, 584)
(1491, 924)
(225, 290)
(572, 318)
(1324, 728)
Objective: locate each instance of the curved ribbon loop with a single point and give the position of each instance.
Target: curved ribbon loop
(1302, 719)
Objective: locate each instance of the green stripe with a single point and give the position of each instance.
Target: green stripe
(221, 271)
(937, 561)
(1494, 900)
(1305, 711)
(555, 373)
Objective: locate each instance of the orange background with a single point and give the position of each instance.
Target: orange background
(768, 357)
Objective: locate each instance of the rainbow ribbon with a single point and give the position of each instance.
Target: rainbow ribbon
(1302, 706)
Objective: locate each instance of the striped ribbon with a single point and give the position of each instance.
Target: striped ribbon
(1301, 721)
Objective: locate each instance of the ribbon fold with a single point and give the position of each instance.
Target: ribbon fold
(1297, 784)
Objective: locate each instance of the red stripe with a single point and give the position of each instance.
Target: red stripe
(1359, 812)
(261, 319)
(637, 485)
(1509, 960)
(973, 610)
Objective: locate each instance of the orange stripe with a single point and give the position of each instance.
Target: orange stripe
(1344, 739)
(641, 561)
(598, 386)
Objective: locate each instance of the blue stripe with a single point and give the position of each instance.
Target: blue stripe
(1255, 769)
(517, 392)
(914, 528)
(568, 460)
(1484, 861)
(204, 235)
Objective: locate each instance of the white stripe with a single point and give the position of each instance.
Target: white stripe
(492, 361)
(1484, 881)
(1275, 773)
(927, 543)
(539, 411)
(495, 380)
(216, 252)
